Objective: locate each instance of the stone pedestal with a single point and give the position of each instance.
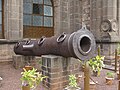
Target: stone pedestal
(20, 61)
(57, 69)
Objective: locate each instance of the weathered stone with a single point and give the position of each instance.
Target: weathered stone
(1, 82)
(59, 71)
(18, 61)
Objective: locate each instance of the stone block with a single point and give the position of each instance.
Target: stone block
(1, 82)
(55, 86)
(14, 15)
(14, 8)
(18, 61)
(54, 70)
(64, 16)
(57, 68)
(112, 11)
(54, 80)
(51, 61)
(105, 3)
(99, 13)
(112, 3)
(14, 35)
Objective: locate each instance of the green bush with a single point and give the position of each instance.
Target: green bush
(31, 77)
(72, 81)
(110, 74)
(96, 63)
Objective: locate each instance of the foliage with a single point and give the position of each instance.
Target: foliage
(118, 49)
(110, 74)
(31, 77)
(72, 80)
(96, 63)
(40, 62)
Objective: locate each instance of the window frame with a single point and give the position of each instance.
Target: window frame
(33, 14)
(2, 11)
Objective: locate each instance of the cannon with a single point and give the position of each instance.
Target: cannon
(80, 44)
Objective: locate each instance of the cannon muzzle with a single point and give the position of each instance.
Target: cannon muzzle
(80, 44)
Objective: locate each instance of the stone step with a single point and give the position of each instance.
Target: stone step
(109, 59)
(108, 62)
(113, 64)
(110, 67)
(5, 59)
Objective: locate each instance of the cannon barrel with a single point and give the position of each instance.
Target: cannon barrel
(80, 44)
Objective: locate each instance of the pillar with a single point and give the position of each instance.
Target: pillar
(57, 69)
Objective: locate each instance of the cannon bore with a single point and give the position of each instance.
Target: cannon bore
(80, 44)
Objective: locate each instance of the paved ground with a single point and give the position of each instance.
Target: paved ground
(102, 82)
(11, 79)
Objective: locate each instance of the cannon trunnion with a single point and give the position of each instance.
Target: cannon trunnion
(80, 44)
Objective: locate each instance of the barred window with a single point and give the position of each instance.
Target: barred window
(38, 13)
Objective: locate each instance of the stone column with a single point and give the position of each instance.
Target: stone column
(112, 9)
(57, 69)
(61, 16)
(86, 13)
(96, 12)
(75, 15)
(13, 21)
(67, 15)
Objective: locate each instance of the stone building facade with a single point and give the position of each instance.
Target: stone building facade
(30, 19)
(100, 16)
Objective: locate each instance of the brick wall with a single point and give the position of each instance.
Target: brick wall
(57, 69)
(6, 52)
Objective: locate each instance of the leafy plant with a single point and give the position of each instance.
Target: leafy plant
(40, 62)
(72, 80)
(96, 63)
(31, 77)
(118, 49)
(110, 74)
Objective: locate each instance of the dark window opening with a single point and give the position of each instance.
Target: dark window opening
(38, 13)
(36, 9)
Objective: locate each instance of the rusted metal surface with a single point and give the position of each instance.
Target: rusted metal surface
(80, 44)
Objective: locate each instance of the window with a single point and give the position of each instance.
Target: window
(48, 11)
(37, 18)
(48, 21)
(38, 13)
(0, 15)
(1, 20)
(36, 9)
